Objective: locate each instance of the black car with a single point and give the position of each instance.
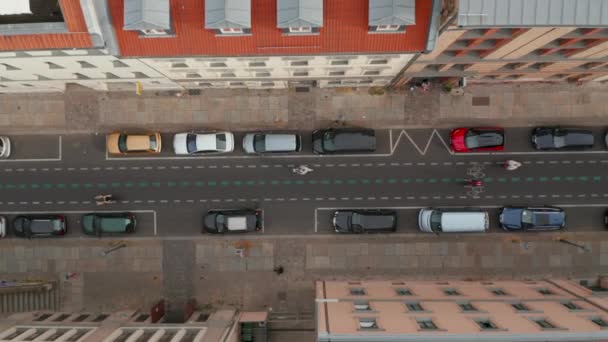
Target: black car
(554, 138)
(365, 221)
(232, 221)
(344, 140)
(532, 218)
(606, 218)
(32, 226)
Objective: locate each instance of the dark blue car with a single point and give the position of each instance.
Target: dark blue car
(532, 218)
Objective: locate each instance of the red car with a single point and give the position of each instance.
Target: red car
(477, 139)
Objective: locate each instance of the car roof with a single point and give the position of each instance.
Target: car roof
(280, 142)
(138, 142)
(237, 223)
(206, 141)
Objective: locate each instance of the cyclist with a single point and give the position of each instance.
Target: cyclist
(475, 183)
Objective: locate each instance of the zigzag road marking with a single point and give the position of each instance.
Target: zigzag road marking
(422, 152)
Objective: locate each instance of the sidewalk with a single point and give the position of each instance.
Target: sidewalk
(136, 276)
(82, 110)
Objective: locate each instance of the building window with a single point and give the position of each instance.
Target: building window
(371, 73)
(498, 292)
(485, 324)
(81, 76)
(262, 74)
(42, 317)
(467, 307)
(119, 64)
(153, 32)
(267, 84)
(87, 65)
(366, 82)
(337, 73)
(179, 65)
(9, 67)
(451, 292)
(227, 74)
(299, 63)
(387, 27)
(110, 75)
(237, 84)
(378, 61)
(61, 317)
(361, 305)
(300, 29)
(402, 291)
(544, 291)
(53, 65)
(138, 74)
(426, 324)
(334, 82)
(257, 64)
(339, 62)
(101, 318)
(217, 65)
(571, 306)
(231, 30)
(520, 307)
(367, 323)
(204, 84)
(357, 291)
(543, 323)
(414, 306)
(600, 322)
(300, 73)
(27, 85)
(80, 318)
(193, 75)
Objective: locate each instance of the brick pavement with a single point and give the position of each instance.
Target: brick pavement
(216, 275)
(83, 110)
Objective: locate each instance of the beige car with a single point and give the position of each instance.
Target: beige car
(133, 143)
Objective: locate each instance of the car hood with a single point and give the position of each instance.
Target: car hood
(341, 221)
(543, 140)
(511, 217)
(457, 139)
(248, 143)
(209, 223)
(179, 143)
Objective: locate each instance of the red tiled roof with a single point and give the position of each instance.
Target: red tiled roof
(344, 31)
(78, 36)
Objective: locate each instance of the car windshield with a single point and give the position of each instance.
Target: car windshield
(527, 217)
(191, 143)
(436, 221)
(220, 140)
(220, 223)
(259, 143)
(559, 141)
(153, 142)
(476, 139)
(122, 142)
(329, 141)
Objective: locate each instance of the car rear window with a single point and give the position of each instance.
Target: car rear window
(122, 142)
(153, 142)
(191, 143)
(220, 140)
(115, 224)
(259, 143)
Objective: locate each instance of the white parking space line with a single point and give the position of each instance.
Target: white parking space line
(59, 156)
(66, 212)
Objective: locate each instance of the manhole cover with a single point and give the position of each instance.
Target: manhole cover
(481, 101)
(302, 89)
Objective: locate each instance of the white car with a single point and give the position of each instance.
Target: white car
(201, 143)
(5, 147)
(2, 226)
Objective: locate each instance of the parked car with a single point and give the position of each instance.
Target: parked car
(365, 221)
(532, 218)
(31, 226)
(606, 218)
(133, 143)
(232, 221)
(477, 139)
(453, 220)
(108, 223)
(2, 226)
(5, 147)
(262, 143)
(343, 140)
(555, 138)
(203, 143)
(606, 139)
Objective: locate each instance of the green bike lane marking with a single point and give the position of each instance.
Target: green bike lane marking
(297, 182)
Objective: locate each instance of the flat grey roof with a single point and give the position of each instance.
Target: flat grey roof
(392, 12)
(227, 13)
(532, 13)
(299, 13)
(147, 15)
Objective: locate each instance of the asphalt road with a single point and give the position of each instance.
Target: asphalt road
(411, 169)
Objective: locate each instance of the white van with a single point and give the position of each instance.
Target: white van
(437, 220)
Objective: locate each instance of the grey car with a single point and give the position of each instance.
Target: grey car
(264, 142)
(532, 218)
(555, 138)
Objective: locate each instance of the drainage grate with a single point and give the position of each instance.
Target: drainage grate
(481, 101)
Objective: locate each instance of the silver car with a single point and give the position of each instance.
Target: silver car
(2, 226)
(5, 147)
(263, 143)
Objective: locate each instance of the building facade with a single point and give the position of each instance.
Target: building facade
(186, 44)
(548, 310)
(219, 326)
(511, 40)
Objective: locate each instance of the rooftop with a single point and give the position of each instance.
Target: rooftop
(344, 30)
(48, 27)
